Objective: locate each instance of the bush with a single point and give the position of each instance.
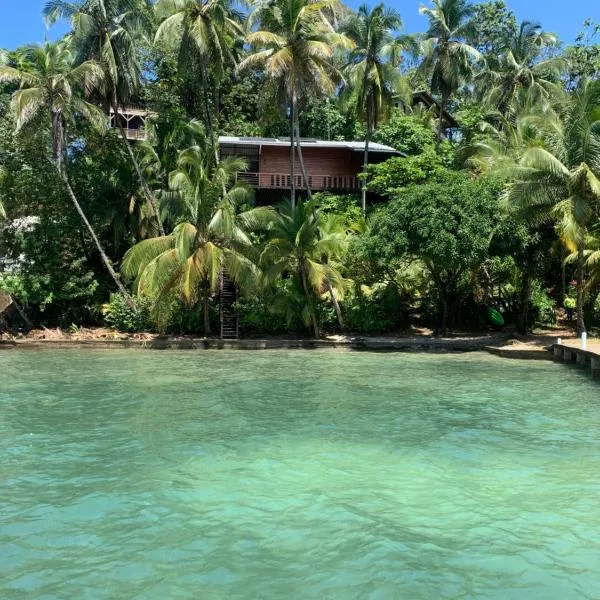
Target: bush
(377, 311)
(256, 317)
(121, 316)
(542, 305)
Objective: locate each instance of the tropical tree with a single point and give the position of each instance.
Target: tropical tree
(108, 32)
(305, 247)
(48, 82)
(295, 45)
(372, 75)
(205, 33)
(560, 181)
(447, 55)
(210, 237)
(519, 68)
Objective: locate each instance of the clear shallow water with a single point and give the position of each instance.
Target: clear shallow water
(301, 474)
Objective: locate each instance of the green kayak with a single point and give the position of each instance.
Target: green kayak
(494, 317)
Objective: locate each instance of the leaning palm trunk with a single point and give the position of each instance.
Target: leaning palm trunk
(58, 137)
(147, 192)
(580, 274)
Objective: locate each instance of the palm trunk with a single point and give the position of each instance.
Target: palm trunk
(209, 121)
(292, 158)
(58, 137)
(523, 322)
(313, 316)
(147, 191)
(336, 304)
(443, 107)
(366, 156)
(299, 146)
(580, 274)
(206, 314)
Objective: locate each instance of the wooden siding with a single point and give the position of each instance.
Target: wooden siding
(320, 162)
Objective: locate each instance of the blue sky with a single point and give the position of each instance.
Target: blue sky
(21, 21)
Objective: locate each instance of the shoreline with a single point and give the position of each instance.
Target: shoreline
(503, 345)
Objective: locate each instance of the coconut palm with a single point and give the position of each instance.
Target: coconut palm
(108, 32)
(303, 246)
(372, 75)
(204, 32)
(446, 53)
(210, 237)
(295, 45)
(48, 80)
(561, 180)
(519, 69)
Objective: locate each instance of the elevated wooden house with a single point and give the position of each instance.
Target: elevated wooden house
(330, 165)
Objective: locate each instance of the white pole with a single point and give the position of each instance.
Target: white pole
(583, 340)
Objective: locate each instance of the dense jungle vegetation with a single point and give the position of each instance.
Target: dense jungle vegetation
(505, 212)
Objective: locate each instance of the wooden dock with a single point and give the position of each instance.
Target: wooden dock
(572, 352)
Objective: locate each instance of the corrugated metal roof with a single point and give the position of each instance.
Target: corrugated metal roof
(310, 143)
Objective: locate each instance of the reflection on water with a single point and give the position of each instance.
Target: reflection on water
(301, 474)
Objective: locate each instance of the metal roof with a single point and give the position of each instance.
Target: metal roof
(307, 143)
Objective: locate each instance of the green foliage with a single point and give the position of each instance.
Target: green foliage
(376, 310)
(543, 306)
(344, 206)
(120, 315)
(405, 133)
(387, 177)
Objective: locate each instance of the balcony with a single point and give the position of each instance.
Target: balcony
(282, 181)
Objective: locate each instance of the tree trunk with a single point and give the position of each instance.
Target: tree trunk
(103, 254)
(206, 314)
(336, 304)
(523, 322)
(147, 191)
(313, 316)
(58, 137)
(366, 156)
(209, 122)
(299, 146)
(292, 158)
(580, 274)
(443, 107)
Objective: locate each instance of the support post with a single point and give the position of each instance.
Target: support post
(567, 355)
(595, 367)
(581, 358)
(558, 352)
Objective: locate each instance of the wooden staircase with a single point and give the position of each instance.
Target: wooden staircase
(229, 318)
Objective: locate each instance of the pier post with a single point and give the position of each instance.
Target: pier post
(581, 358)
(558, 352)
(567, 355)
(595, 367)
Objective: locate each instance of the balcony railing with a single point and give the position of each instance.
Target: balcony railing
(282, 181)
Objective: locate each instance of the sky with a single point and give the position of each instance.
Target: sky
(21, 21)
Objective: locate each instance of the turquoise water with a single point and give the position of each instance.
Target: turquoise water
(300, 474)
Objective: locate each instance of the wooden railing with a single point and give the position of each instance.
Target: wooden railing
(282, 181)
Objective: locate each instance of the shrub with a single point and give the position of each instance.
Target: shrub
(123, 317)
(542, 305)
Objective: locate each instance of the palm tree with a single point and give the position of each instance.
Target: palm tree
(205, 31)
(295, 47)
(561, 180)
(47, 78)
(210, 237)
(303, 246)
(446, 53)
(108, 31)
(372, 70)
(519, 69)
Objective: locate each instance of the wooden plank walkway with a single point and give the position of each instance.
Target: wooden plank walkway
(571, 351)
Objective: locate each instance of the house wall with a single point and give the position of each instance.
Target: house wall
(319, 161)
